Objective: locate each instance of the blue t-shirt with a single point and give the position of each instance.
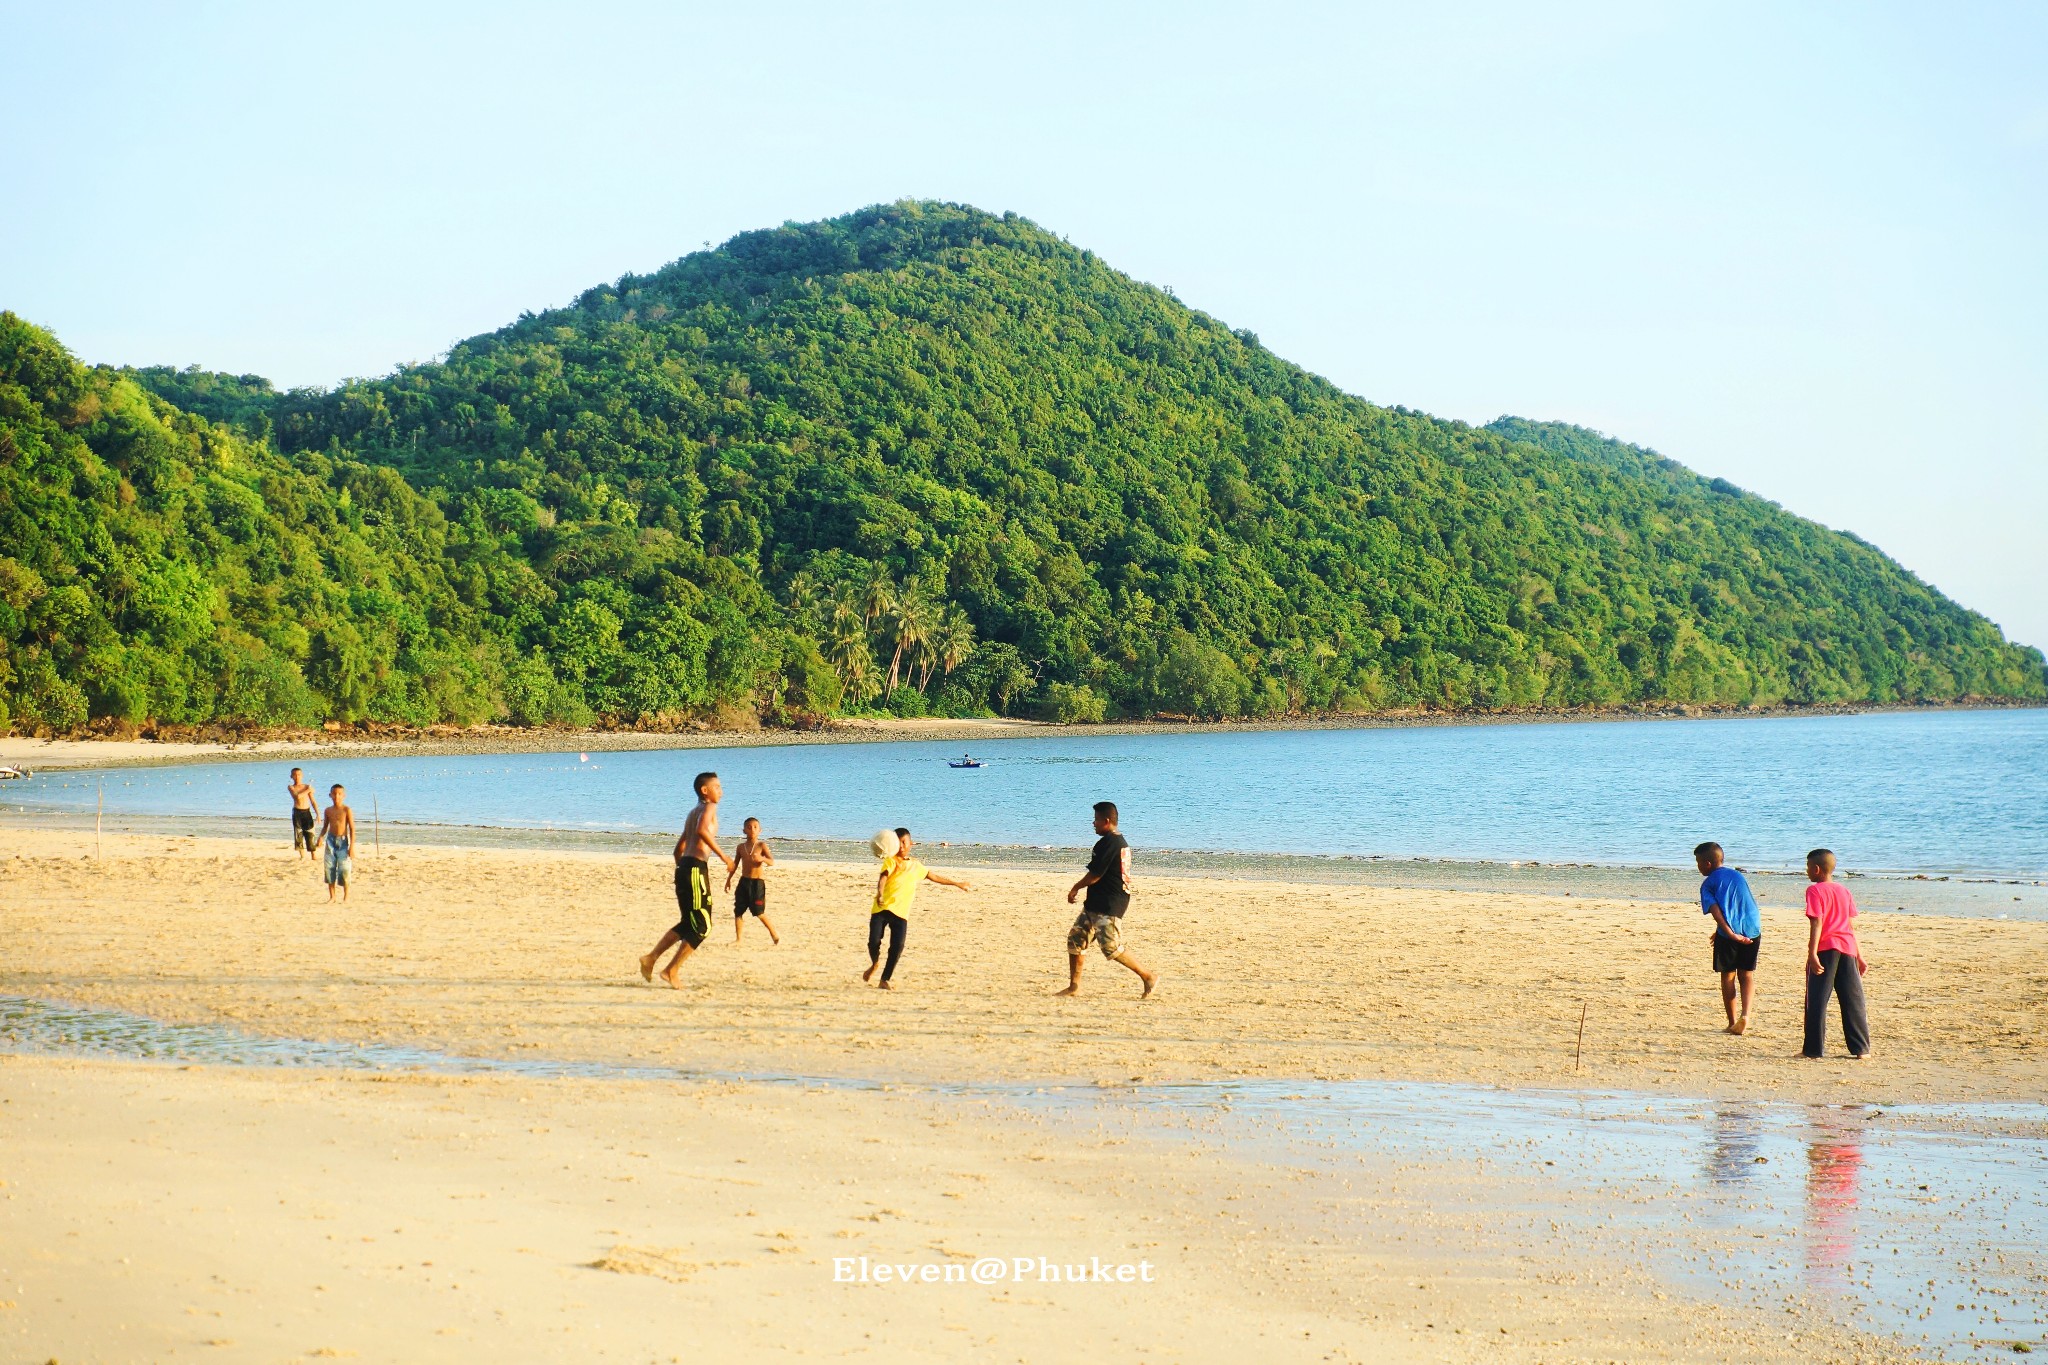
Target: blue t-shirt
(1729, 889)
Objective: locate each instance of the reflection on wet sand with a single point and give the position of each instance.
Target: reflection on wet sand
(1834, 1163)
(1733, 1151)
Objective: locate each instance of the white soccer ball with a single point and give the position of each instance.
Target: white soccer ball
(884, 844)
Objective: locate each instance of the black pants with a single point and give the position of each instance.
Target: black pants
(1838, 976)
(899, 929)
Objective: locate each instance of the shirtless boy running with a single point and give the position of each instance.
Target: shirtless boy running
(753, 859)
(694, 850)
(304, 843)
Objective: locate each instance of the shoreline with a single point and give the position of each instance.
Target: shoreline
(1952, 893)
(110, 751)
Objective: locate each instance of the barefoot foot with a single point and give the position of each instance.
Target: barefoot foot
(1071, 990)
(1150, 982)
(884, 986)
(1740, 1026)
(647, 967)
(669, 975)
(869, 974)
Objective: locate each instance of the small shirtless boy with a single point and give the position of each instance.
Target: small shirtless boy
(305, 844)
(895, 890)
(752, 859)
(338, 833)
(1101, 921)
(694, 851)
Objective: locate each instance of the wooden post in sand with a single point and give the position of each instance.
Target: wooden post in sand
(1580, 1046)
(376, 824)
(99, 812)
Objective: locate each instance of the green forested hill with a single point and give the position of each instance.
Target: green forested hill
(925, 458)
(155, 565)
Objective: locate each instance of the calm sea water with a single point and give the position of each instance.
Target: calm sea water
(1960, 793)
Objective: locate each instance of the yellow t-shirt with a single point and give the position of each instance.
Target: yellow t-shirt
(900, 877)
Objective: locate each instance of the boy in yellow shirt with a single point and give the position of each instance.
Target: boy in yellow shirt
(895, 889)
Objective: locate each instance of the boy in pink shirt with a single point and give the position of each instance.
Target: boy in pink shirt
(1834, 962)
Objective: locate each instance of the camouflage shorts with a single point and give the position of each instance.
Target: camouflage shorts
(1107, 931)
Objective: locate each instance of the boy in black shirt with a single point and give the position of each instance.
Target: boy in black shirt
(1108, 883)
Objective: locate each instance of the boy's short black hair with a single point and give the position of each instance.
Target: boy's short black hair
(297, 771)
(1708, 850)
(1824, 856)
(333, 789)
(697, 785)
(902, 833)
(1106, 810)
(750, 820)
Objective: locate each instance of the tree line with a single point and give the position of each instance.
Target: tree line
(915, 460)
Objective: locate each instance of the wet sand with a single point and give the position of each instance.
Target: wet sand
(148, 1211)
(153, 1212)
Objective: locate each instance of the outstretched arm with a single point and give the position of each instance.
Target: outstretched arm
(946, 881)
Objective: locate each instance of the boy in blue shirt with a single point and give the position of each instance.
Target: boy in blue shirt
(1738, 930)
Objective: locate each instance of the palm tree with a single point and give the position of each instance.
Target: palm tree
(955, 640)
(858, 673)
(911, 623)
(878, 596)
(847, 648)
(806, 598)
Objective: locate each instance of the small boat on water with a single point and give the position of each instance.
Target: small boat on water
(7, 772)
(964, 761)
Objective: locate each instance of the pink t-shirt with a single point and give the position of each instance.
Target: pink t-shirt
(1834, 907)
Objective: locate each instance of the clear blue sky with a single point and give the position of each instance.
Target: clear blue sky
(1803, 247)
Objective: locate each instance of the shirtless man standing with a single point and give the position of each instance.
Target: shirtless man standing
(754, 859)
(304, 843)
(694, 850)
(338, 832)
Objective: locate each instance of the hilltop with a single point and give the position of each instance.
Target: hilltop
(926, 459)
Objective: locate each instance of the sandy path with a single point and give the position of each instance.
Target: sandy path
(511, 954)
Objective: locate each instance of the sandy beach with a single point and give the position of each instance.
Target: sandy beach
(503, 952)
(153, 1211)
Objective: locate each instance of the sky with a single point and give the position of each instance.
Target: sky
(1803, 247)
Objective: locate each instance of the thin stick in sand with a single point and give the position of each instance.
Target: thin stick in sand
(1579, 1046)
(99, 811)
(377, 824)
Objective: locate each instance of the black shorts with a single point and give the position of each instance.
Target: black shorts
(302, 830)
(693, 901)
(1730, 956)
(752, 897)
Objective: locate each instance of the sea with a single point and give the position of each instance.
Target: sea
(1941, 810)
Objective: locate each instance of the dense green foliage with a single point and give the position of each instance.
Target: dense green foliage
(154, 565)
(928, 459)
